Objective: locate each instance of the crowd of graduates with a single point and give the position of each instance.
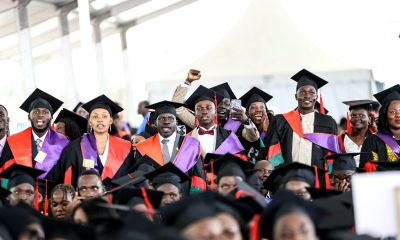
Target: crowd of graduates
(206, 166)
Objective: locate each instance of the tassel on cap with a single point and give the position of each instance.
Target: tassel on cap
(317, 185)
(36, 199)
(321, 104)
(46, 202)
(147, 203)
(254, 227)
(348, 124)
(216, 105)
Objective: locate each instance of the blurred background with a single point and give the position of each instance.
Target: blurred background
(134, 50)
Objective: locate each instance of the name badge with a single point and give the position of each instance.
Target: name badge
(40, 157)
(88, 163)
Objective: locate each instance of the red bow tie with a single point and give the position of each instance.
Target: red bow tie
(202, 131)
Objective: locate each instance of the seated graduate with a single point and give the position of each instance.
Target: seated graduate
(169, 180)
(343, 169)
(295, 177)
(228, 169)
(70, 124)
(22, 183)
(106, 154)
(170, 146)
(384, 145)
(290, 217)
(300, 135)
(38, 146)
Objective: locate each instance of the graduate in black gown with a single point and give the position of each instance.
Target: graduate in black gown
(294, 136)
(384, 145)
(110, 156)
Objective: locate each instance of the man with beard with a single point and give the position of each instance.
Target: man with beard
(169, 146)
(299, 135)
(37, 146)
(4, 121)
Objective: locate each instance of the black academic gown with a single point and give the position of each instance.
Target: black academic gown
(374, 149)
(279, 131)
(254, 151)
(71, 162)
(156, 162)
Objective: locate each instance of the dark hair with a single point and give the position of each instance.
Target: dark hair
(65, 188)
(382, 119)
(4, 108)
(96, 211)
(145, 103)
(72, 129)
(90, 172)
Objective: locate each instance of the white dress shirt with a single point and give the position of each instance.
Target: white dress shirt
(2, 143)
(207, 141)
(35, 137)
(170, 143)
(103, 158)
(302, 148)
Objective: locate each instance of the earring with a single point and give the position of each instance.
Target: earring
(90, 128)
(110, 128)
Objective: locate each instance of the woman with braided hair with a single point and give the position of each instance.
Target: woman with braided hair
(60, 197)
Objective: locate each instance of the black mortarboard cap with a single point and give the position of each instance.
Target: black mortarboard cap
(229, 165)
(224, 90)
(78, 119)
(387, 166)
(305, 77)
(56, 229)
(388, 95)
(135, 178)
(103, 102)
(17, 174)
(343, 161)
(200, 206)
(284, 203)
(292, 171)
(244, 190)
(365, 104)
(77, 106)
(254, 95)
(164, 107)
(131, 196)
(317, 193)
(41, 99)
(202, 93)
(168, 173)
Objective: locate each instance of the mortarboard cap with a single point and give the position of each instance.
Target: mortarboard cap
(284, 203)
(317, 193)
(388, 95)
(17, 174)
(79, 120)
(228, 165)
(305, 77)
(168, 173)
(77, 106)
(343, 161)
(164, 107)
(224, 90)
(41, 99)
(132, 196)
(102, 102)
(244, 192)
(254, 95)
(292, 171)
(365, 104)
(202, 93)
(387, 166)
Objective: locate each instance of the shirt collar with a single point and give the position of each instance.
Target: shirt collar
(35, 137)
(170, 138)
(211, 128)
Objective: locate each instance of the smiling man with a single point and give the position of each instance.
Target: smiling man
(295, 136)
(37, 146)
(169, 146)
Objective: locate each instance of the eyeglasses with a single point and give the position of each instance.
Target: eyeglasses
(394, 112)
(264, 171)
